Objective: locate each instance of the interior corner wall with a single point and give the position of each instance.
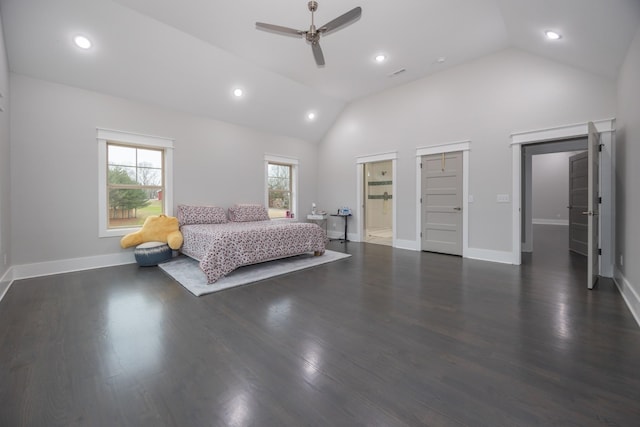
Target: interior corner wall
(5, 165)
(627, 178)
(54, 153)
(483, 101)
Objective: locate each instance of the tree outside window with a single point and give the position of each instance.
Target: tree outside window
(134, 184)
(279, 182)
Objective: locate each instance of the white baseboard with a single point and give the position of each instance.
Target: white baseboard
(542, 221)
(489, 255)
(411, 245)
(38, 269)
(629, 293)
(472, 253)
(5, 282)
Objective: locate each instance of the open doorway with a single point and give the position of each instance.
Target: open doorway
(384, 207)
(545, 185)
(558, 230)
(378, 205)
(600, 198)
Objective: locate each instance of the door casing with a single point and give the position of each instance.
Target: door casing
(606, 128)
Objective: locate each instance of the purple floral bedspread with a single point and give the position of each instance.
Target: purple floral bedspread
(221, 248)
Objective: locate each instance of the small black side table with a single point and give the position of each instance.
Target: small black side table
(346, 217)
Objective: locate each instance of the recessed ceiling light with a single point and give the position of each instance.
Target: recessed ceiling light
(82, 42)
(441, 60)
(381, 58)
(238, 92)
(311, 116)
(552, 35)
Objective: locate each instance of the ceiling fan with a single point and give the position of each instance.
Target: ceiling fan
(313, 34)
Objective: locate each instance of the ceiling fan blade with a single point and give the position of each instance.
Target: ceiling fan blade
(286, 31)
(341, 20)
(317, 53)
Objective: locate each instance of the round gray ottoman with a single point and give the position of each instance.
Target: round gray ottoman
(152, 253)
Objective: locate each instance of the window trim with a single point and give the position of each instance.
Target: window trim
(289, 161)
(155, 142)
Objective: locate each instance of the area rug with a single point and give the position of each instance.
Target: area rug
(186, 271)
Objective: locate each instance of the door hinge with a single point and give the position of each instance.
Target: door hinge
(600, 147)
(420, 199)
(421, 234)
(420, 165)
(599, 199)
(599, 251)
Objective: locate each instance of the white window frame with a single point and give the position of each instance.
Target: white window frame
(293, 163)
(144, 141)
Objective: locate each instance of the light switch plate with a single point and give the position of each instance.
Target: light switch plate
(502, 198)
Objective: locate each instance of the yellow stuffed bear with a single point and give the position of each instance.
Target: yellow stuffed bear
(156, 228)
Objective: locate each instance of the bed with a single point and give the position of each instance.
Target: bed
(247, 237)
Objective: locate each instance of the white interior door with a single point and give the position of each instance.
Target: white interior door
(578, 200)
(441, 212)
(593, 207)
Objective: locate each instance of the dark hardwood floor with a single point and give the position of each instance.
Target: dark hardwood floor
(387, 337)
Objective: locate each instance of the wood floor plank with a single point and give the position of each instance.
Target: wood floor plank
(387, 337)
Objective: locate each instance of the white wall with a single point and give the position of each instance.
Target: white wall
(5, 175)
(54, 200)
(550, 184)
(483, 101)
(628, 178)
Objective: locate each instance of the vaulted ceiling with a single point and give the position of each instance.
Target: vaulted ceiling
(190, 55)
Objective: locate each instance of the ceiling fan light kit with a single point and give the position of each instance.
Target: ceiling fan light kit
(312, 36)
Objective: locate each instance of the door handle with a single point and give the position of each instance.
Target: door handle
(457, 208)
(590, 213)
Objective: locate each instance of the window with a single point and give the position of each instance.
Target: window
(135, 180)
(135, 183)
(279, 185)
(281, 177)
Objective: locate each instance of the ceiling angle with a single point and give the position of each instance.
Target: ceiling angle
(312, 36)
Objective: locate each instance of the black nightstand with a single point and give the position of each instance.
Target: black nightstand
(346, 217)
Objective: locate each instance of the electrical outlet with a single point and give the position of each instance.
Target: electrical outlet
(471, 198)
(621, 260)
